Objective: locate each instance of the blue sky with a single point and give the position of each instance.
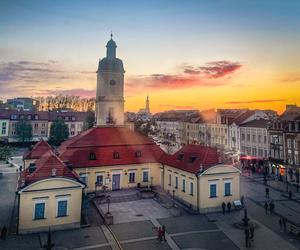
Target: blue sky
(153, 37)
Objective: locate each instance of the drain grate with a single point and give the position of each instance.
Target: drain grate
(139, 215)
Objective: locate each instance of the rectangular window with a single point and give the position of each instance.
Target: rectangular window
(191, 188)
(183, 185)
(39, 211)
(265, 139)
(170, 179)
(289, 143)
(99, 179)
(36, 125)
(3, 131)
(62, 208)
(259, 138)
(227, 188)
(84, 178)
(131, 177)
(145, 176)
(213, 190)
(176, 182)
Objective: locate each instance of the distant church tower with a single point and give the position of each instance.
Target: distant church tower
(147, 105)
(110, 88)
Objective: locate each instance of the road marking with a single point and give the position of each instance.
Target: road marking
(92, 246)
(170, 241)
(139, 239)
(195, 232)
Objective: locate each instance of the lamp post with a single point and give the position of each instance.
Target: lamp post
(173, 197)
(108, 201)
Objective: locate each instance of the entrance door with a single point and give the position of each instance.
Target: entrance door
(116, 182)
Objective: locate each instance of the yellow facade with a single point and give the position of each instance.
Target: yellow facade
(50, 191)
(219, 175)
(153, 169)
(196, 192)
(182, 190)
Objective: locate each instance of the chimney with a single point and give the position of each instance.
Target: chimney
(53, 172)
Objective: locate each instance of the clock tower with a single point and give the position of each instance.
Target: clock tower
(110, 88)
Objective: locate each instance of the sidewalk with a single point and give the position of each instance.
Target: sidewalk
(264, 238)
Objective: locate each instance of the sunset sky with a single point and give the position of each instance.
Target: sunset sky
(184, 54)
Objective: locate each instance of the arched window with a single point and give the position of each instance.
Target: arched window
(116, 155)
(138, 154)
(92, 156)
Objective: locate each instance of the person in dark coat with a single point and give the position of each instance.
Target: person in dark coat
(251, 229)
(284, 220)
(280, 224)
(163, 233)
(267, 193)
(223, 207)
(3, 233)
(266, 207)
(247, 237)
(229, 207)
(159, 233)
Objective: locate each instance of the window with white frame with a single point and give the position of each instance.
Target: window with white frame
(212, 189)
(176, 182)
(39, 210)
(183, 185)
(289, 143)
(99, 179)
(227, 188)
(191, 188)
(84, 178)
(62, 207)
(145, 175)
(170, 179)
(131, 177)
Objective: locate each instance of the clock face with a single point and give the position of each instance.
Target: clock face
(112, 82)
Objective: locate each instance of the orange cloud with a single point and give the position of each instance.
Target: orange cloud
(190, 76)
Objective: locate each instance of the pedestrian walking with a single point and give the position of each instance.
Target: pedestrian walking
(290, 194)
(267, 193)
(280, 224)
(247, 237)
(229, 207)
(242, 200)
(251, 232)
(223, 207)
(3, 233)
(159, 233)
(266, 207)
(272, 206)
(163, 233)
(284, 220)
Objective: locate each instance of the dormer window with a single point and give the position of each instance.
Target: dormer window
(92, 156)
(36, 117)
(138, 154)
(66, 118)
(28, 117)
(180, 156)
(116, 155)
(73, 118)
(192, 159)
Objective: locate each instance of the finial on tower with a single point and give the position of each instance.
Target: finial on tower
(111, 34)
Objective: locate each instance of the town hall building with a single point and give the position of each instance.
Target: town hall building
(111, 156)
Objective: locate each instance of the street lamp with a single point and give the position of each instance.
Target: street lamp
(108, 201)
(173, 197)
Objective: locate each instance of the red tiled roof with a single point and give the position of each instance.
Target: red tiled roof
(38, 150)
(44, 168)
(205, 156)
(103, 142)
(109, 136)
